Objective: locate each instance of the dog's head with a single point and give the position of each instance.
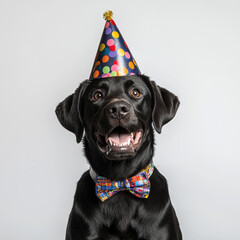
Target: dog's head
(117, 114)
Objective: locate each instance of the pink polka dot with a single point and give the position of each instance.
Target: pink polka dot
(132, 73)
(114, 67)
(106, 75)
(110, 42)
(127, 55)
(107, 25)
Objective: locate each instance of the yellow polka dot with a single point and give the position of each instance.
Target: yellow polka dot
(120, 73)
(121, 52)
(131, 65)
(96, 74)
(123, 72)
(102, 46)
(115, 34)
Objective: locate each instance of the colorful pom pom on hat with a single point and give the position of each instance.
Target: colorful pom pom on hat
(113, 56)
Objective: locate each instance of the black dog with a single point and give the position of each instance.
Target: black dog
(117, 114)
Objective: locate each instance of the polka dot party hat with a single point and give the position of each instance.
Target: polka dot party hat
(113, 56)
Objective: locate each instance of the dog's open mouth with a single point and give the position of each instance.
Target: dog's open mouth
(120, 142)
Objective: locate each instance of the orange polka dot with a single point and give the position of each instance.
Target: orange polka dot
(96, 74)
(97, 63)
(134, 62)
(131, 65)
(105, 58)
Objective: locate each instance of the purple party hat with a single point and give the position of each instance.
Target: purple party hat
(113, 56)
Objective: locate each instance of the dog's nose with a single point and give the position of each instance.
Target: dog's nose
(118, 109)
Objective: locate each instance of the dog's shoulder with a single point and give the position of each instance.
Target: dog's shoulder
(85, 186)
(85, 191)
(159, 181)
(159, 194)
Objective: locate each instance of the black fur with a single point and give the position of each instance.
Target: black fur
(123, 216)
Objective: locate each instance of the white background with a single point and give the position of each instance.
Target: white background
(190, 47)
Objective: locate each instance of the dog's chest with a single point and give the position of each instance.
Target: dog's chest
(118, 213)
(120, 209)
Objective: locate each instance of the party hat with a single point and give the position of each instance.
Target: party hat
(113, 56)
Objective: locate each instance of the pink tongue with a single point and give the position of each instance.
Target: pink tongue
(119, 138)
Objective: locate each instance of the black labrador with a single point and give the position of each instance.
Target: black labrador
(117, 115)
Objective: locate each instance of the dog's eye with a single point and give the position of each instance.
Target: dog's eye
(97, 95)
(136, 93)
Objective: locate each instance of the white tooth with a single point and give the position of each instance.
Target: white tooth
(110, 142)
(114, 144)
(132, 135)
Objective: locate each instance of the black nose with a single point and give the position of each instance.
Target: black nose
(119, 109)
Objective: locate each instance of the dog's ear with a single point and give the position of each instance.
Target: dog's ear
(70, 112)
(164, 107)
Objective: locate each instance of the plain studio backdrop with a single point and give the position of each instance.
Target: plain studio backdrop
(192, 48)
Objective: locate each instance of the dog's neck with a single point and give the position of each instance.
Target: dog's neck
(119, 170)
(148, 170)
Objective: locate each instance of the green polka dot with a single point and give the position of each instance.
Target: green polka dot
(113, 74)
(106, 69)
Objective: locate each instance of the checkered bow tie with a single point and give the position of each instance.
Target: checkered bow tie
(138, 185)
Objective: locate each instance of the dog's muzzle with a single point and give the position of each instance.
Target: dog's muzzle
(120, 136)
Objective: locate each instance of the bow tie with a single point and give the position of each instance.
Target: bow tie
(138, 185)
